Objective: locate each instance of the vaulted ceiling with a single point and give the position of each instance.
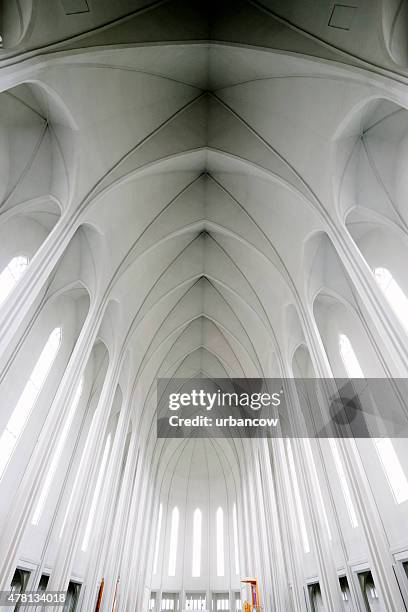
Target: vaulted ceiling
(197, 147)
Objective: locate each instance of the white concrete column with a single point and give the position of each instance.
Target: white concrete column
(328, 577)
(380, 558)
(275, 530)
(142, 526)
(30, 486)
(101, 540)
(87, 475)
(131, 541)
(384, 325)
(16, 307)
(289, 520)
(120, 525)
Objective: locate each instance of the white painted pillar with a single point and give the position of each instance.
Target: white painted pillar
(275, 530)
(131, 541)
(384, 325)
(380, 558)
(30, 486)
(101, 541)
(16, 307)
(120, 527)
(86, 479)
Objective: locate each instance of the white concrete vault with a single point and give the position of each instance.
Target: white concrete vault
(199, 190)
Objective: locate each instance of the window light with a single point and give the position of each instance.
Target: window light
(236, 547)
(392, 468)
(220, 541)
(175, 518)
(96, 494)
(298, 499)
(196, 565)
(11, 274)
(157, 544)
(349, 358)
(28, 399)
(394, 294)
(79, 471)
(343, 483)
(391, 465)
(52, 468)
(322, 505)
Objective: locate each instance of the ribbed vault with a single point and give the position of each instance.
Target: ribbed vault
(191, 168)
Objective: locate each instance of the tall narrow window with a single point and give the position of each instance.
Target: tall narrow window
(157, 544)
(220, 541)
(310, 457)
(298, 499)
(11, 274)
(96, 494)
(392, 469)
(28, 398)
(196, 565)
(349, 358)
(394, 294)
(79, 471)
(343, 483)
(175, 518)
(235, 528)
(391, 465)
(52, 468)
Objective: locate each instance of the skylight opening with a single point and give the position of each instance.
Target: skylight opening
(95, 499)
(52, 468)
(157, 544)
(175, 519)
(394, 294)
(298, 499)
(21, 413)
(220, 541)
(197, 524)
(11, 274)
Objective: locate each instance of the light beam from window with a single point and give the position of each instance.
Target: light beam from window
(21, 413)
(220, 541)
(95, 499)
(175, 518)
(394, 294)
(52, 468)
(11, 274)
(197, 523)
(157, 545)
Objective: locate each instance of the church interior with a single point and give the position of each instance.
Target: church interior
(191, 190)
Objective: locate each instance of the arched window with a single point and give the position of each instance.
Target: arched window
(343, 483)
(298, 499)
(393, 470)
(175, 518)
(96, 494)
(11, 274)
(196, 565)
(52, 468)
(220, 541)
(385, 449)
(28, 398)
(349, 358)
(394, 294)
(235, 528)
(157, 544)
(79, 470)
